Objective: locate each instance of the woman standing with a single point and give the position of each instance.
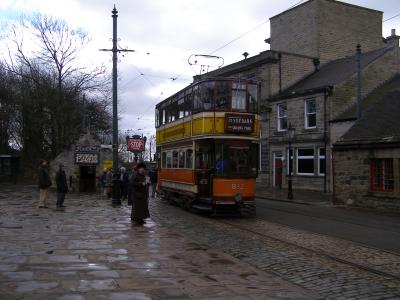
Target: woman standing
(140, 209)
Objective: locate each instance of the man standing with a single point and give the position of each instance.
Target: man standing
(62, 186)
(153, 180)
(44, 183)
(140, 209)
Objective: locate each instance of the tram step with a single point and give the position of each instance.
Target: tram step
(202, 207)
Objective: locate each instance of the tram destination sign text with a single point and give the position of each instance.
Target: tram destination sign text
(238, 123)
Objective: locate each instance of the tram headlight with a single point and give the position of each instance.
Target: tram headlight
(238, 198)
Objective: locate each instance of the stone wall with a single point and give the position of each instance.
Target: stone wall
(295, 30)
(352, 178)
(326, 29)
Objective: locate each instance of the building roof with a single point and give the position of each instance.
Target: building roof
(379, 124)
(244, 64)
(334, 72)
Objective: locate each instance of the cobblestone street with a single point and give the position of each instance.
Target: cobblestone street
(91, 251)
(334, 268)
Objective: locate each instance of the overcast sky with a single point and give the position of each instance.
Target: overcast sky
(170, 30)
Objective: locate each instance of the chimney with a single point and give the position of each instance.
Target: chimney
(393, 39)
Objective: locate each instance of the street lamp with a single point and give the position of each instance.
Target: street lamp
(291, 131)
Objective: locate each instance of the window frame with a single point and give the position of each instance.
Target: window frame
(281, 117)
(307, 114)
(382, 186)
(305, 157)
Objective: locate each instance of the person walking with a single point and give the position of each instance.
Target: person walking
(153, 181)
(44, 183)
(124, 183)
(102, 181)
(140, 209)
(109, 183)
(62, 186)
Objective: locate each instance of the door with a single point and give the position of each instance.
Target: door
(278, 170)
(87, 179)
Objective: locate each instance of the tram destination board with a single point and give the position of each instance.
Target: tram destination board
(238, 123)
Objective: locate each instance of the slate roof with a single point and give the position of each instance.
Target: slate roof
(335, 72)
(379, 124)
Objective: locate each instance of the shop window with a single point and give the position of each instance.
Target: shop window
(321, 161)
(282, 116)
(382, 179)
(310, 113)
(305, 161)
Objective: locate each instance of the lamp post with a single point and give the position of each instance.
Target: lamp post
(291, 131)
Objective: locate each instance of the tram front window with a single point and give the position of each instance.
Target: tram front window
(236, 159)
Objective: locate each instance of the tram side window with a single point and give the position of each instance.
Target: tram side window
(164, 160)
(204, 157)
(188, 102)
(222, 95)
(197, 105)
(207, 95)
(169, 159)
(164, 117)
(239, 94)
(175, 159)
(157, 114)
(189, 158)
(181, 159)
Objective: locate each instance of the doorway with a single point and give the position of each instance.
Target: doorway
(87, 179)
(278, 170)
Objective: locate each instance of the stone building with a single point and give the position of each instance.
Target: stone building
(83, 162)
(308, 80)
(366, 159)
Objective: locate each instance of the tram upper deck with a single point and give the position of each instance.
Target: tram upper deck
(211, 107)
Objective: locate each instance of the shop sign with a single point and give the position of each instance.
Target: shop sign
(238, 123)
(86, 158)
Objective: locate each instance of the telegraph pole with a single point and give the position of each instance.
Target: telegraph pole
(116, 197)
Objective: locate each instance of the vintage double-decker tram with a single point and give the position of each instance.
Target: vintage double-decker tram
(208, 145)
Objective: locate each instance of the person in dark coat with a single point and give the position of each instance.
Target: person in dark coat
(140, 209)
(124, 183)
(44, 183)
(62, 186)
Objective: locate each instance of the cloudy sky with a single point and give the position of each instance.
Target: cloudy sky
(170, 31)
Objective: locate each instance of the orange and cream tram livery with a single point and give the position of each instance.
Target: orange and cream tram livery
(208, 146)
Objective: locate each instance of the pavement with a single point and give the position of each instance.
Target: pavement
(299, 196)
(91, 251)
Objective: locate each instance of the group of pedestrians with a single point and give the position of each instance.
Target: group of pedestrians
(45, 183)
(135, 187)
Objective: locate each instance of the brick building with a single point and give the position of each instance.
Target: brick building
(308, 80)
(366, 164)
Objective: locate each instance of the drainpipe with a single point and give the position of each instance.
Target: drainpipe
(358, 82)
(325, 137)
(280, 72)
